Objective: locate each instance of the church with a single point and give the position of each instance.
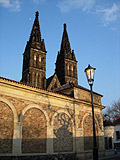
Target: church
(48, 117)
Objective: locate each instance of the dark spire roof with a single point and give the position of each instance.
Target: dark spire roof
(65, 49)
(65, 44)
(35, 36)
(35, 33)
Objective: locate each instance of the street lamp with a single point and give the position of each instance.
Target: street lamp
(90, 77)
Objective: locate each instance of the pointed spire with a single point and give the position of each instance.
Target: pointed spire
(64, 26)
(65, 44)
(35, 36)
(73, 55)
(37, 14)
(35, 33)
(43, 45)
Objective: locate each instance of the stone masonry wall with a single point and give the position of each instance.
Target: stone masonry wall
(85, 95)
(88, 133)
(36, 121)
(34, 132)
(6, 128)
(63, 133)
(34, 126)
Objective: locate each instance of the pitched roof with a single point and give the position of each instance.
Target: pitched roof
(107, 123)
(71, 85)
(117, 121)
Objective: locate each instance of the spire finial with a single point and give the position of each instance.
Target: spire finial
(37, 14)
(64, 26)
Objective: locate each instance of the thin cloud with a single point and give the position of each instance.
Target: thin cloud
(14, 5)
(110, 14)
(68, 5)
(39, 1)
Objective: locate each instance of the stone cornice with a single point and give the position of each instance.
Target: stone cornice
(21, 90)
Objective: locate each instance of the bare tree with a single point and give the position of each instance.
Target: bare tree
(113, 111)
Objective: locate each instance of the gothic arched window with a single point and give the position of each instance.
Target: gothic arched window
(34, 57)
(39, 58)
(74, 71)
(71, 70)
(34, 37)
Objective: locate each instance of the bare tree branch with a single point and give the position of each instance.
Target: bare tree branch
(113, 111)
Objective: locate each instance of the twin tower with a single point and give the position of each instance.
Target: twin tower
(34, 61)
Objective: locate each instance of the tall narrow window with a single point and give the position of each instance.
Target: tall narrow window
(34, 57)
(72, 70)
(32, 81)
(68, 69)
(34, 60)
(106, 143)
(37, 38)
(36, 82)
(110, 142)
(117, 135)
(39, 58)
(34, 37)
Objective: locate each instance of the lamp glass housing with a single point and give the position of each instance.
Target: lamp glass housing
(90, 74)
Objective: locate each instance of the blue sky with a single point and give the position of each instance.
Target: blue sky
(94, 32)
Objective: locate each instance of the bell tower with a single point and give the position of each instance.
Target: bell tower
(66, 64)
(34, 58)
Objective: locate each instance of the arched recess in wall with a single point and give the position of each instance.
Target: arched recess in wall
(8, 119)
(63, 132)
(87, 126)
(34, 129)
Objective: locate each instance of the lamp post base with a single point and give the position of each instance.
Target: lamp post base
(95, 153)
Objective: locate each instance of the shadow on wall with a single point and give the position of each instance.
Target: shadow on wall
(42, 157)
(41, 133)
(60, 144)
(63, 141)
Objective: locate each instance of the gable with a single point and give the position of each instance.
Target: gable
(54, 82)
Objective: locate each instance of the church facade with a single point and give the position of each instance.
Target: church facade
(53, 116)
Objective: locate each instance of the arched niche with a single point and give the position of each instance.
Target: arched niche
(62, 124)
(87, 125)
(34, 129)
(8, 119)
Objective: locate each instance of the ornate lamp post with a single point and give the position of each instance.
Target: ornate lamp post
(90, 77)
